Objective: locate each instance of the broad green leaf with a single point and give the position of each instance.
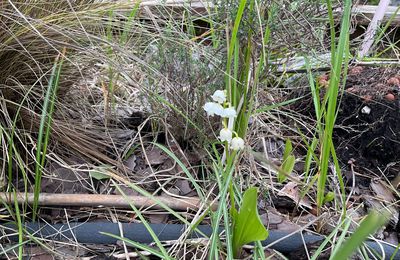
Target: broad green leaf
(247, 223)
(367, 227)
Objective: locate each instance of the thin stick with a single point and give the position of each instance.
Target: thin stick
(97, 200)
(373, 27)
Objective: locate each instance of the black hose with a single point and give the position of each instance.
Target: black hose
(90, 233)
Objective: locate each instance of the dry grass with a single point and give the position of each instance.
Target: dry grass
(116, 98)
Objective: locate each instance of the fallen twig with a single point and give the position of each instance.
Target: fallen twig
(98, 200)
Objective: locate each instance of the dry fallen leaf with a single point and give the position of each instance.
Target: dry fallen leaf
(184, 187)
(290, 190)
(130, 162)
(158, 218)
(277, 221)
(155, 156)
(382, 191)
(377, 202)
(64, 180)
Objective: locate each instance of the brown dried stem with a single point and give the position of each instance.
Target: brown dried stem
(99, 200)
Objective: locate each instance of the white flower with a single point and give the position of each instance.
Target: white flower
(225, 135)
(219, 96)
(237, 143)
(213, 109)
(229, 112)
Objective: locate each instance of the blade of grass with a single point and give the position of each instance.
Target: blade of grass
(223, 187)
(331, 27)
(138, 245)
(332, 95)
(184, 169)
(19, 225)
(329, 238)
(231, 47)
(146, 224)
(368, 226)
(45, 121)
(127, 27)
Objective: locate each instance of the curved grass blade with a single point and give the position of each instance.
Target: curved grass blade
(368, 226)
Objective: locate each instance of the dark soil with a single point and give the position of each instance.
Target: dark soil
(368, 122)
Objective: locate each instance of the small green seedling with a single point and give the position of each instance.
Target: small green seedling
(329, 197)
(288, 162)
(247, 225)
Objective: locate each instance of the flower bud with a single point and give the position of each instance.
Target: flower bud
(237, 143)
(219, 96)
(229, 112)
(213, 109)
(225, 135)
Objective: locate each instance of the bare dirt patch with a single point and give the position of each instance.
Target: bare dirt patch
(368, 122)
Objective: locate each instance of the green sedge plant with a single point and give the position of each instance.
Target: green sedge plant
(45, 128)
(326, 109)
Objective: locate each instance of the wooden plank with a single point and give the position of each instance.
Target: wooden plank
(364, 14)
(196, 7)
